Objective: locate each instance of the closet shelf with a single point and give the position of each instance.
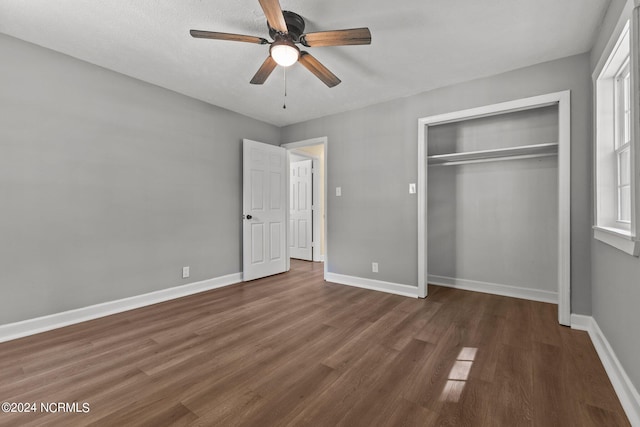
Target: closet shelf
(521, 152)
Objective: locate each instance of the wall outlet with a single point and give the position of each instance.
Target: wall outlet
(185, 272)
(374, 267)
(338, 191)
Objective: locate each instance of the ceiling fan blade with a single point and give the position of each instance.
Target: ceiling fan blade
(227, 36)
(353, 36)
(319, 70)
(264, 72)
(273, 12)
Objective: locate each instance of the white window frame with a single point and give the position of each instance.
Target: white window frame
(609, 226)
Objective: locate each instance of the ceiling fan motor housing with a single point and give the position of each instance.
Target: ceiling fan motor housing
(295, 25)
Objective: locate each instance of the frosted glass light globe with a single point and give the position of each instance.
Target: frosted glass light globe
(284, 54)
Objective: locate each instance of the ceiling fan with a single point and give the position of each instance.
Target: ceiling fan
(287, 29)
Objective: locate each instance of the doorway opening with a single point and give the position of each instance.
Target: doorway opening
(307, 201)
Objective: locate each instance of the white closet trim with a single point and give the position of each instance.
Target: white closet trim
(563, 100)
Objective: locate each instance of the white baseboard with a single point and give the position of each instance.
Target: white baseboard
(371, 284)
(581, 322)
(494, 288)
(28, 327)
(627, 393)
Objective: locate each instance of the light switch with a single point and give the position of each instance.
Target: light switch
(338, 191)
(412, 188)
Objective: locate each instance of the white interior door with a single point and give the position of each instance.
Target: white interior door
(300, 210)
(264, 210)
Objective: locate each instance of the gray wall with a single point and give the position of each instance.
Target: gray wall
(616, 275)
(110, 185)
(372, 156)
(495, 222)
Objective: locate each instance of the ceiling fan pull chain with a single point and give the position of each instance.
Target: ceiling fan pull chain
(284, 103)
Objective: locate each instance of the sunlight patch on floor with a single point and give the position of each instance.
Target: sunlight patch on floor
(458, 375)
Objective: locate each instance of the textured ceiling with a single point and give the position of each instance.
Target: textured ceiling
(417, 45)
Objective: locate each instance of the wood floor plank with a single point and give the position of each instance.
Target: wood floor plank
(417, 320)
(513, 387)
(371, 335)
(409, 414)
(468, 403)
(233, 375)
(519, 317)
(544, 317)
(548, 389)
(80, 373)
(283, 402)
(384, 391)
(150, 414)
(294, 350)
(486, 340)
(436, 371)
(356, 379)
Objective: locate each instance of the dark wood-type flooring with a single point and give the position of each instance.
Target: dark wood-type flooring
(294, 350)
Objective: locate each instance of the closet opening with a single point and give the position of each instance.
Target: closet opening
(493, 200)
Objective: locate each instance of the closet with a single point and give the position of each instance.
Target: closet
(495, 215)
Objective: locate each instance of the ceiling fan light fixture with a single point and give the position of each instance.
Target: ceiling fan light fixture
(284, 52)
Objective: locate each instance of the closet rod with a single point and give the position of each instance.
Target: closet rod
(493, 159)
(523, 151)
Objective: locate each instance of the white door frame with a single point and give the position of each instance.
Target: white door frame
(563, 100)
(325, 144)
(317, 243)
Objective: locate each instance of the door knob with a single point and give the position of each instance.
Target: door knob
(249, 217)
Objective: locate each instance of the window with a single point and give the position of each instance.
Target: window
(615, 149)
